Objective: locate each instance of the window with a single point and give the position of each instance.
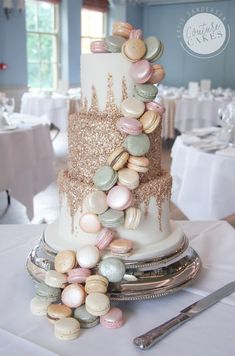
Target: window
(42, 44)
(93, 27)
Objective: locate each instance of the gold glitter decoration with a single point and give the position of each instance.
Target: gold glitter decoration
(76, 190)
(94, 101)
(92, 137)
(124, 89)
(110, 102)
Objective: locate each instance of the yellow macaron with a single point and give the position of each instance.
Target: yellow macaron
(150, 121)
(96, 284)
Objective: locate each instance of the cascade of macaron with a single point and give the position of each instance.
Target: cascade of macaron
(74, 294)
(112, 203)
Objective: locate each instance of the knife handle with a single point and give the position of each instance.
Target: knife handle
(148, 339)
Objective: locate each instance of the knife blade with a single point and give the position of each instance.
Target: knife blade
(150, 338)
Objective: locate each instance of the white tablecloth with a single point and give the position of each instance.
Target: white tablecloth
(193, 113)
(26, 160)
(211, 333)
(56, 107)
(203, 183)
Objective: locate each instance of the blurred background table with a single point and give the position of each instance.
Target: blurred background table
(55, 106)
(211, 333)
(26, 159)
(186, 111)
(191, 113)
(203, 183)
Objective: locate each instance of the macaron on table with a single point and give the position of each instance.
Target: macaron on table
(113, 240)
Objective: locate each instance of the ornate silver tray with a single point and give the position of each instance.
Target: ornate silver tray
(144, 279)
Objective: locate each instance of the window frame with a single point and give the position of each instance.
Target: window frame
(56, 35)
(94, 38)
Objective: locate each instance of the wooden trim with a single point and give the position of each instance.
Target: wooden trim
(96, 5)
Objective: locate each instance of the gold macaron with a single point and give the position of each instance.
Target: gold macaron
(96, 284)
(122, 29)
(118, 158)
(150, 121)
(58, 311)
(132, 218)
(138, 164)
(121, 247)
(134, 49)
(65, 261)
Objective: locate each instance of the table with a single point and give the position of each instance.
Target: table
(210, 334)
(26, 160)
(203, 183)
(193, 113)
(56, 107)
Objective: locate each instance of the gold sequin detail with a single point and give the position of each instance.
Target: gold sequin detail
(124, 90)
(76, 190)
(92, 137)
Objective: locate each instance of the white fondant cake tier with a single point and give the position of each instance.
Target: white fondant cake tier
(149, 239)
(109, 74)
(95, 69)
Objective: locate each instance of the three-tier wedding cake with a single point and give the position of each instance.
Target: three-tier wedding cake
(93, 135)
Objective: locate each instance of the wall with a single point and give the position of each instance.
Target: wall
(134, 14)
(13, 80)
(70, 41)
(13, 48)
(181, 67)
(125, 11)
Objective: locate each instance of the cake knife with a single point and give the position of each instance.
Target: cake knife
(148, 339)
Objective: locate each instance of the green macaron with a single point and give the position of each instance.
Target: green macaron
(145, 92)
(159, 53)
(112, 268)
(86, 320)
(112, 218)
(137, 145)
(104, 178)
(114, 43)
(154, 48)
(47, 293)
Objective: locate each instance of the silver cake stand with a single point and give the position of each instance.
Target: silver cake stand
(144, 279)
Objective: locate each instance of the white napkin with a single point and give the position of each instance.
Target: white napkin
(229, 152)
(189, 139)
(205, 131)
(215, 246)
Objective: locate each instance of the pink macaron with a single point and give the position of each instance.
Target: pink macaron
(135, 33)
(155, 106)
(89, 222)
(78, 275)
(129, 125)
(119, 197)
(104, 238)
(141, 71)
(73, 295)
(113, 319)
(98, 47)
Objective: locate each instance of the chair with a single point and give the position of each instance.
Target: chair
(205, 85)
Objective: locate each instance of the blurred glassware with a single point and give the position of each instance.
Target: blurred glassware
(9, 106)
(227, 120)
(220, 115)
